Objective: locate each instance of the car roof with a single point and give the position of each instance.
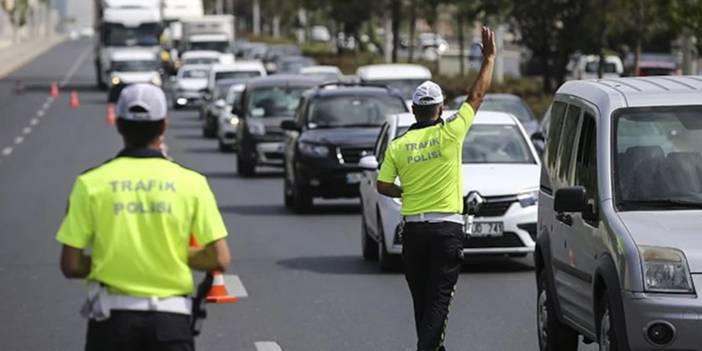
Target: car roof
(282, 80)
(331, 89)
(207, 37)
(201, 53)
(132, 54)
(481, 118)
(393, 71)
(198, 66)
(610, 94)
(238, 66)
(320, 69)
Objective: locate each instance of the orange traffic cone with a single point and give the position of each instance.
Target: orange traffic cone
(54, 92)
(110, 116)
(218, 292)
(73, 101)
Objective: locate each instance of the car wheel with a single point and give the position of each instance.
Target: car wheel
(553, 335)
(387, 261)
(606, 334)
(302, 201)
(369, 246)
(245, 168)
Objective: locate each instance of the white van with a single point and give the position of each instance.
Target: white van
(402, 77)
(587, 67)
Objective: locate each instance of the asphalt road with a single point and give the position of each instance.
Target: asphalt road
(308, 287)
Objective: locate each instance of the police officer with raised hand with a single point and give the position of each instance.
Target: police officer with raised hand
(427, 161)
(135, 214)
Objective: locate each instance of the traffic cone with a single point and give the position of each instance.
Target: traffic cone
(54, 89)
(73, 101)
(218, 292)
(110, 116)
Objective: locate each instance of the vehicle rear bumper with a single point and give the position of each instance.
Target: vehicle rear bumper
(330, 181)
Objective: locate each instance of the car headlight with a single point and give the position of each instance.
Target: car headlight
(256, 128)
(528, 198)
(116, 81)
(314, 150)
(234, 121)
(665, 270)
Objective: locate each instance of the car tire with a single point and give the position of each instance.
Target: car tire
(606, 333)
(387, 261)
(302, 200)
(369, 246)
(245, 168)
(553, 335)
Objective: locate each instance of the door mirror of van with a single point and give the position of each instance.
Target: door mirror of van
(538, 136)
(289, 125)
(369, 163)
(570, 200)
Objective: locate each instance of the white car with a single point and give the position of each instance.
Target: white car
(130, 66)
(587, 67)
(402, 77)
(500, 166)
(238, 70)
(200, 57)
(189, 85)
(228, 122)
(326, 73)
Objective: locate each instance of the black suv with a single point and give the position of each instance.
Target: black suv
(265, 103)
(335, 125)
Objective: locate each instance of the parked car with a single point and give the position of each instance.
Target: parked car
(265, 103)
(500, 167)
(215, 105)
(508, 103)
(587, 67)
(657, 65)
(275, 53)
(618, 258)
(131, 66)
(189, 86)
(294, 64)
(325, 73)
(335, 126)
(402, 77)
(228, 123)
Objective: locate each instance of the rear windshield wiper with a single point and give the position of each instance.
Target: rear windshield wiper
(663, 203)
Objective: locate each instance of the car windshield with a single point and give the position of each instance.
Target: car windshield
(496, 144)
(512, 106)
(222, 89)
(237, 75)
(195, 74)
(233, 95)
(658, 158)
(118, 35)
(219, 46)
(274, 102)
(353, 111)
(405, 87)
(594, 66)
(324, 77)
(201, 61)
(135, 66)
(294, 66)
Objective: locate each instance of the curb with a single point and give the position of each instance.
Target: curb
(18, 55)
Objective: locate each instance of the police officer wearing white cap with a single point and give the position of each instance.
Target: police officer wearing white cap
(135, 214)
(427, 161)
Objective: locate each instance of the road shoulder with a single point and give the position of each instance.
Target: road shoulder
(19, 54)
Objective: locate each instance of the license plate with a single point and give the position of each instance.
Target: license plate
(481, 229)
(353, 178)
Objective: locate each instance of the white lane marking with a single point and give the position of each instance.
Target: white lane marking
(267, 346)
(234, 286)
(19, 140)
(46, 106)
(41, 113)
(26, 131)
(7, 151)
(50, 100)
(34, 121)
(72, 71)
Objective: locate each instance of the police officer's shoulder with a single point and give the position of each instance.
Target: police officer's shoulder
(95, 168)
(195, 175)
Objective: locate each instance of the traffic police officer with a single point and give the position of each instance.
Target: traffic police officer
(135, 213)
(427, 160)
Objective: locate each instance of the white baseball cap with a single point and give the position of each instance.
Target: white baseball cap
(142, 103)
(428, 93)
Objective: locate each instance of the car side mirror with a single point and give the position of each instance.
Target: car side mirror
(538, 136)
(369, 163)
(220, 103)
(289, 125)
(236, 111)
(570, 200)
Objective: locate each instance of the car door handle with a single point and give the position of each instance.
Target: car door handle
(565, 219)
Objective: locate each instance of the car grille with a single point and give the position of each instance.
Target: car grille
(495, 206)
(353, 154)
(273, 155)
(508, 239)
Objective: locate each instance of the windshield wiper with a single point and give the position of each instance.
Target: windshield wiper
(358, 125)
(662, 203)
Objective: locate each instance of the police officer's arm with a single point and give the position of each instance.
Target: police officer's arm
(76, 233)
(209, 230)
(389, 189)
(214, 256)
(75, 264)
(385, 183)
(482, 83)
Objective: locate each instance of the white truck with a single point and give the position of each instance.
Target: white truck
(177, 11)
(124, 23)
(213, 32)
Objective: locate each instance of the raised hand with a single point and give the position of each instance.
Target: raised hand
(488, 43)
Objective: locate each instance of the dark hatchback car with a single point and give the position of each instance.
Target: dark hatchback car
(334, 127)
(265, 103)
(213, 106)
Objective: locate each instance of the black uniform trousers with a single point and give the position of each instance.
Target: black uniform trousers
(141, 331)
(433, 257)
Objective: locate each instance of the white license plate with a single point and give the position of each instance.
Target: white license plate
(480, 229)
(353, 178)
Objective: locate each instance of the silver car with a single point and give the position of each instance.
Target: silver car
(619, 254)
